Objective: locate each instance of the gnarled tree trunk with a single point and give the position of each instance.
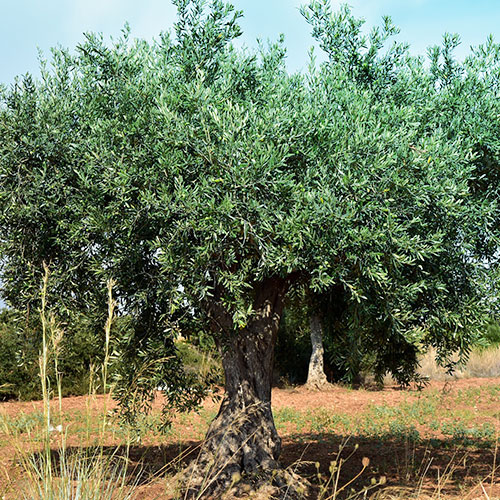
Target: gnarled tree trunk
(242, 446)
(316, 377)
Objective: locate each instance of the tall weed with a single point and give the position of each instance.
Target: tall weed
(53, 471)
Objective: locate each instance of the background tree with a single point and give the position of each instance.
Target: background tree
(196, 174)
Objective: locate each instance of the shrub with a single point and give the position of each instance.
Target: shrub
(492, 333)
(20, 346)
(14, 376)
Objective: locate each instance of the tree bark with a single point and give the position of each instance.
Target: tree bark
(241, 449)
(316, 377)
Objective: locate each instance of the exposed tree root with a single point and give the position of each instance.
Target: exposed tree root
(239, 457)
(276, 484)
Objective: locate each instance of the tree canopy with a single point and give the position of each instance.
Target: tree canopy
(211, 184)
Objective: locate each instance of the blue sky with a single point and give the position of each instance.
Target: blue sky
(28, 24)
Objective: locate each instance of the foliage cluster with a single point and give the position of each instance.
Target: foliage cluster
(192, 173)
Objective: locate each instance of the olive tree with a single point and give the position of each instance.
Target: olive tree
(208, 181)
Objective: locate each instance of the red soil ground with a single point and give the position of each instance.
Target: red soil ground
(402, 463)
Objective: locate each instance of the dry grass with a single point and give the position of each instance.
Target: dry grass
(482, 363)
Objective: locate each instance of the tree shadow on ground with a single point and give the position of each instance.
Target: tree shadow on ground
(415, 466)
(409, 466)
(143, 462)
